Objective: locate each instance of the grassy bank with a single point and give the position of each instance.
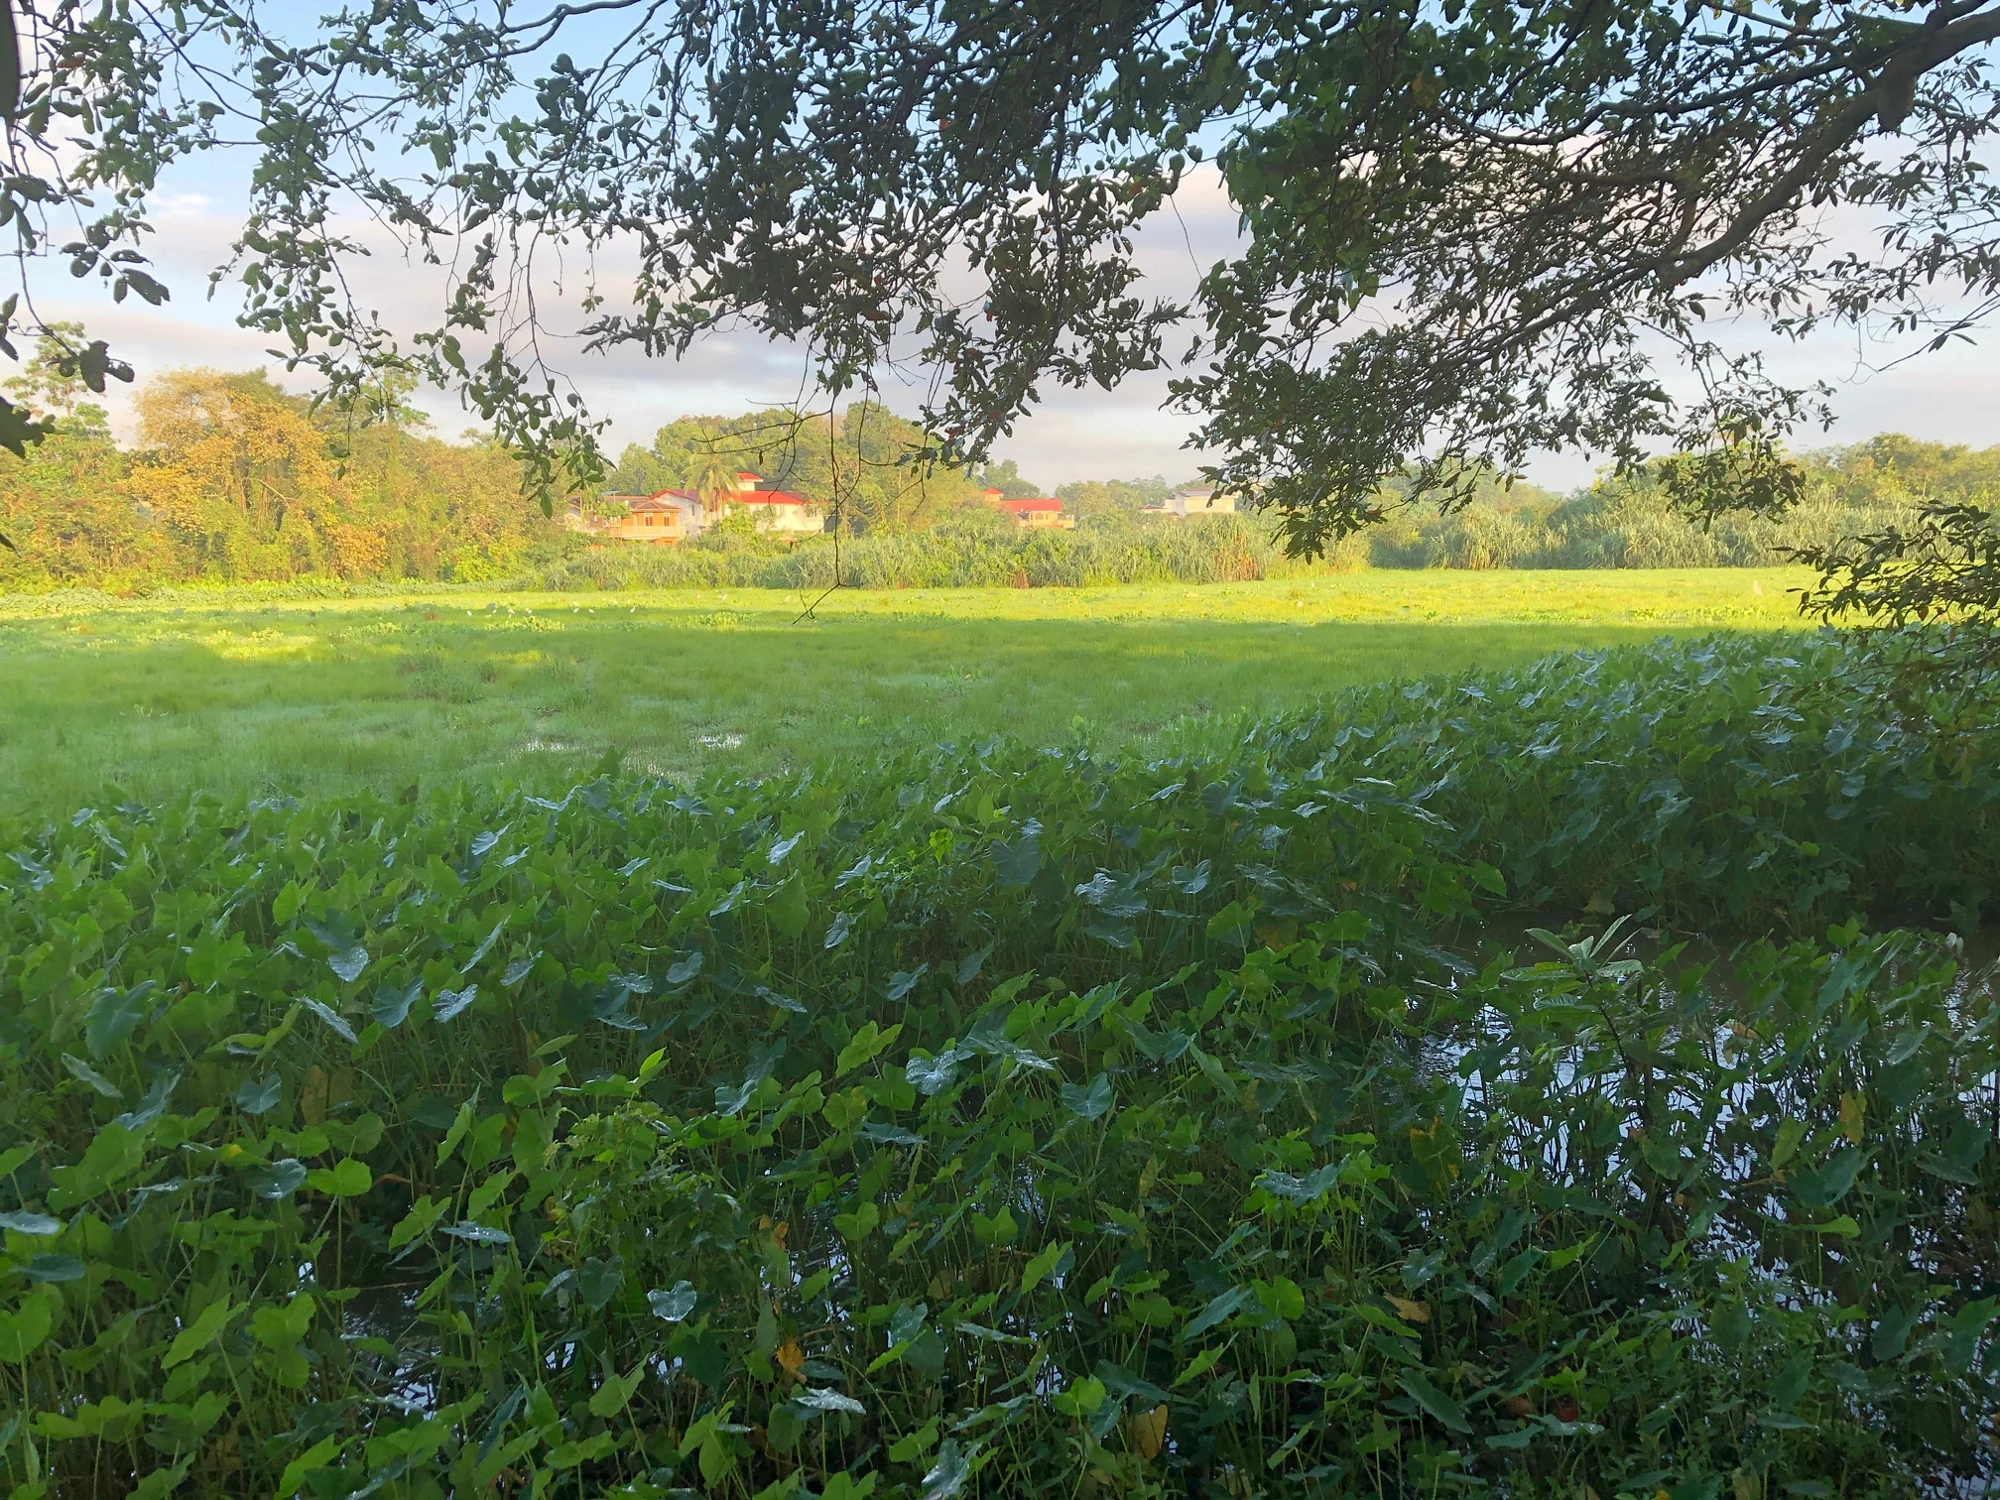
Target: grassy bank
(238, 693)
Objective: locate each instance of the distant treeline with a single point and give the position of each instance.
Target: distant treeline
(233, 481)
(1616, 523)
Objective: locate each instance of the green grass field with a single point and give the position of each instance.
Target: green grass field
(238, 694)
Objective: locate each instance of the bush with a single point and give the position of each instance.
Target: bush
(1012, 1121)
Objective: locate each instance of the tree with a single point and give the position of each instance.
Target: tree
(1467, 224)
(1006, 478)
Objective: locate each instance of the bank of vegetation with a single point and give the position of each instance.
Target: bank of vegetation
(233, 482)
(1011, 1121)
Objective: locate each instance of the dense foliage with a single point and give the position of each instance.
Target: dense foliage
(1014, 1122)
(387, 503)
(232, 480)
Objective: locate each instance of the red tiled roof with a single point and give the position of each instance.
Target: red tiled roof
(1044, 503)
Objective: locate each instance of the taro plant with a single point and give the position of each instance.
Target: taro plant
(1012, 1122)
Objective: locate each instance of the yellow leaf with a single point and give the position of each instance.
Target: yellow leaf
(1853, 1110)
(791, 1356)
(1145, 1432)
(1408, 1311)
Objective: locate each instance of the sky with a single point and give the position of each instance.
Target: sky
(1952, 396)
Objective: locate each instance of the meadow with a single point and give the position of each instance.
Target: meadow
(253, 690)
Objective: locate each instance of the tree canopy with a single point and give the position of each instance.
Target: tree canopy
(1471, 230)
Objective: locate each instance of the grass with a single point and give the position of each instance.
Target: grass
(236, 694)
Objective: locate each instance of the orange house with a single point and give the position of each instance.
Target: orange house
(664, 519)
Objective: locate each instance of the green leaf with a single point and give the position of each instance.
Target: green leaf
(864, 1046)
(947, 1476)
(278, 1327)
(392, 1003)
(674, 1304)
(319, 1456)
(609, 1398)
(259, 1096)
(80, 1069)
(23, 1330)
(1790, 1134)
(1223, 1306)
(114, 1016)
(347, 1178)
(1434, 1401)
(203, 1331)
(1091, 1103)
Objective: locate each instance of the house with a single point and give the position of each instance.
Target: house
(778, 512)
(1041, 513)
(664, 519)
(673, 516)
(1194, 500)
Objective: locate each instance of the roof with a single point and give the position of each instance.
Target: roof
(664, 500)
(1040, 503)
(766, 497)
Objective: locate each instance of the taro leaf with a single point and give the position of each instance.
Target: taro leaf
(890, 1135)
(333, 1018)
(48, 1268)
(485, 946)
(40, 1226)
(154, 1104)
(259, 1096)
(1190, 882)
(907, 1322)
(517, 971)
(632, 867)
(22, 1331)
(1792, 1381)
(450, 1003)
(1123, 1384)
(683, 970)
(732, 1101)
(1435, 1401)
(80, 1069)
(280, 1179)
(348, 963)
(1305, 1189)
(114, 1016)
(1114, 895)
(837, 931)
(784, 1002)
(393, 1002)
(901, 983)
(1119, 932)
(783, 847)
(346, 1178)
(477, 1234)
(933, 1075)
(674, 1304)
(597, 1282)
(971, 964)
(336, 931)
(1018, 862)
(814, 1400)
(1225, 1305)
(948, 1475)
(1091, 1103)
